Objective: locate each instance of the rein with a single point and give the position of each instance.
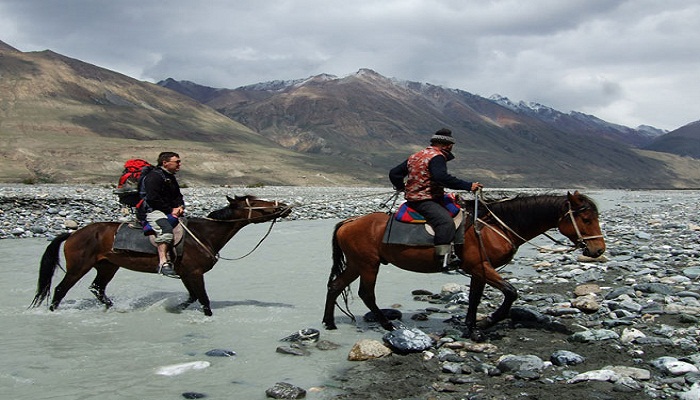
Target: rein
(579, 242)
(250, 218)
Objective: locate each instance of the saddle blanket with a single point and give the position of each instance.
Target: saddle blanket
(130, 237)
(414, 234)
(408, 214)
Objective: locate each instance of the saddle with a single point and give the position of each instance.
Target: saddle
(420, 234)
(130, 237)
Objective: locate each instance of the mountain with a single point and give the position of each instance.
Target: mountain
(377, 121)
(64, 120)
(577, 123)
(684, 141)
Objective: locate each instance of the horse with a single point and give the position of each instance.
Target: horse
(91, 247)
(489, 243)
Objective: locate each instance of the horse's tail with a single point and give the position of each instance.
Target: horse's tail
(49, 262)
(339, 265)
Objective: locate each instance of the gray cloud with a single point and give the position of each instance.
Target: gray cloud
(629, 62)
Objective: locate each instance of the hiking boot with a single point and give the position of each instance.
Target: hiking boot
(167, 269)
(451, 263)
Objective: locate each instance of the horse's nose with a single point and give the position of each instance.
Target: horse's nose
(595, 253)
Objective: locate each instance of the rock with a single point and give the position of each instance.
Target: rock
(565, 357)
(629, 335)
(587, 304)
(405, 341)
(510, 362)
(327, 345)
(593, 335)
(601, 375)
(590, 288)
(284, 390)
(194, 395)
(177, 369)
(390, 314)
(293, 350)
(692, 394)
(70, 224)
(220, 353)
(366, 349)
(639, 374)
(308, 335)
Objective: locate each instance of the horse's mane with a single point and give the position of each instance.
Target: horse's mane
(227, 212)
(520, 210)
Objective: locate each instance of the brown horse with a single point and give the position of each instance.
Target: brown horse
(502, 227)
(91, 246)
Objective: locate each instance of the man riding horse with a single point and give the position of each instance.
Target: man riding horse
(162, 203)
(426, 179)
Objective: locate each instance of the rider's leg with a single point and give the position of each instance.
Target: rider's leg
(440, 219)
(164, 239)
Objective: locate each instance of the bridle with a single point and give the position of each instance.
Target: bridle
(580, 239)
(280, 211)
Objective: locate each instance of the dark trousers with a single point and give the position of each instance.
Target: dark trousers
(438, 217)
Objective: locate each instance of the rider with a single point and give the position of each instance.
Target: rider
(427, 178)
(163, 205)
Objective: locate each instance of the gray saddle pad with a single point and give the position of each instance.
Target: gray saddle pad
(412, 234)
(130, 237)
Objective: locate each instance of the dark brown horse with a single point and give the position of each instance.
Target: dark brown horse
(503, 226)
(91, 247)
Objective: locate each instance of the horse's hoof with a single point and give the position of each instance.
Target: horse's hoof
(474, 334)
(330, 326)
(207, 312)
(389, 327)
(182, 306)
(52, 307)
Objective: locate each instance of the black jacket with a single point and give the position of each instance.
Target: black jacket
(160, 191)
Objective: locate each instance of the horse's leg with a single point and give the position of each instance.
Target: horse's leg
(105, 273)
(73, 275)
(191, 299)
(194, 283)
(476, 291)
(335, 288)
(482, 276)
(368, 281)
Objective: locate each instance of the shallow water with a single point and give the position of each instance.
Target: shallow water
(82, 351)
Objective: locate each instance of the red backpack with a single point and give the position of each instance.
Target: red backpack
(128, 185)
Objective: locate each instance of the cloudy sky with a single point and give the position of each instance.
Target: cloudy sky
(629, 62)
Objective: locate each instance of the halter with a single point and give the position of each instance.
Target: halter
(580, 240)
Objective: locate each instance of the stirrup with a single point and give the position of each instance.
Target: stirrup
(167, 269)
(451, 262)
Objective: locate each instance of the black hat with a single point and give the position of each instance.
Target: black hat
(444, 135)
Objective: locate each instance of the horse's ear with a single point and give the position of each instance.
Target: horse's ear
(574, 199)
(230, 200)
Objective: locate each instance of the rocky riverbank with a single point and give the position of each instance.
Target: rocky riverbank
(623, 327)
(46, 210)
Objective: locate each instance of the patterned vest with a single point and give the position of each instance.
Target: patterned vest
(419, 183)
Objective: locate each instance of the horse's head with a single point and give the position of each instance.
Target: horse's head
(579, 223)
(251, 209)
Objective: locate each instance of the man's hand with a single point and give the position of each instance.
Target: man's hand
(178, 212)
(476, 186)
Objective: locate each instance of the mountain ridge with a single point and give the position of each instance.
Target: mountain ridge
(64, 120)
